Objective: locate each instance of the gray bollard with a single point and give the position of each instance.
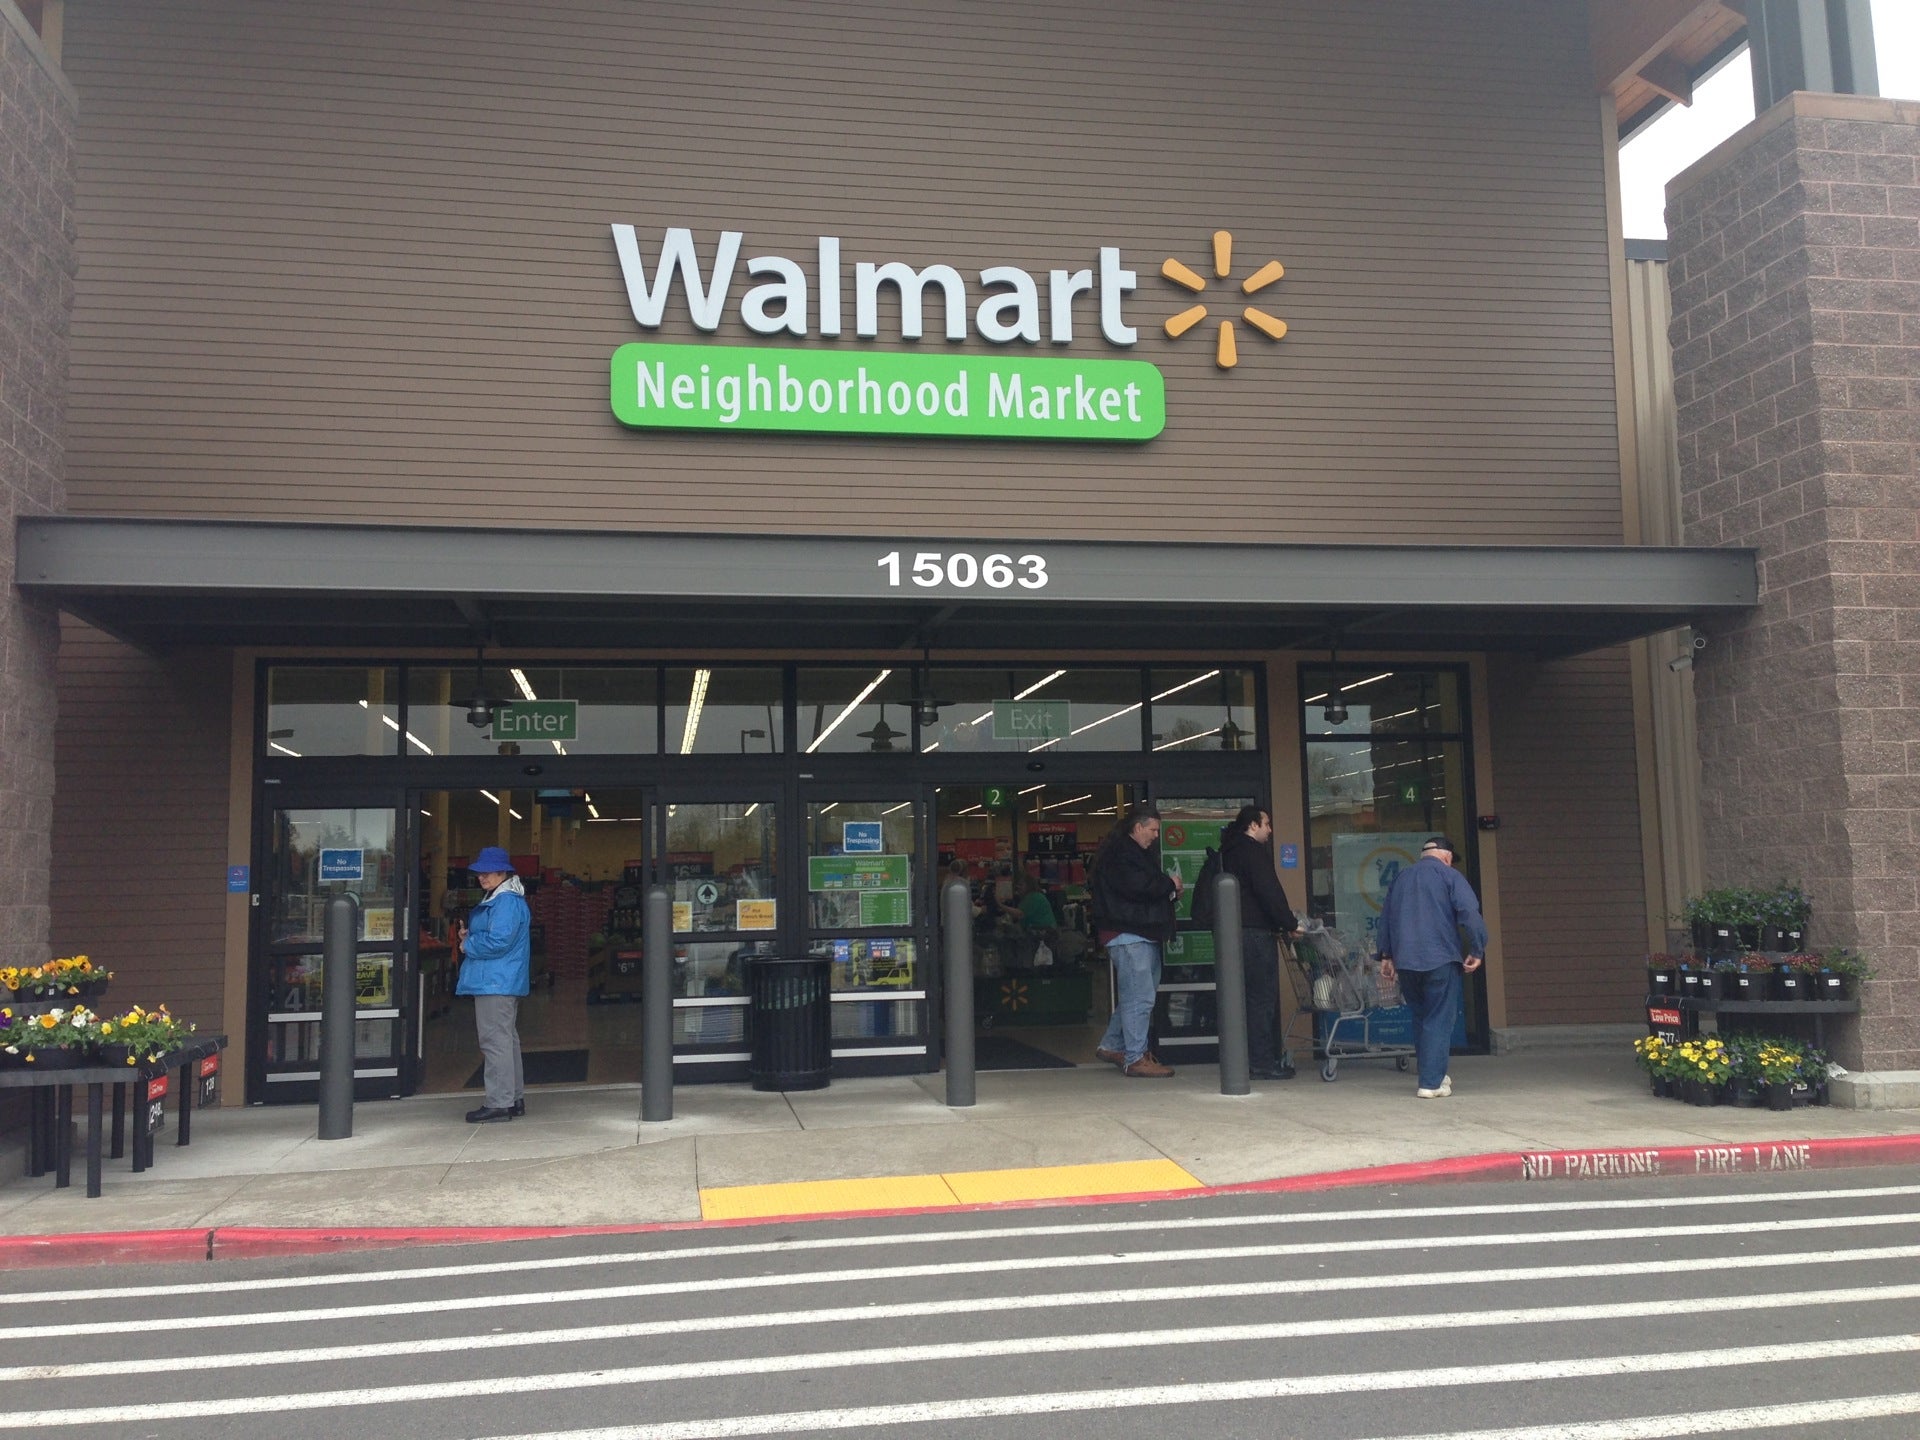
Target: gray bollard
(656, 1007)
(338, 974)
(956, 934)
(1230, 987)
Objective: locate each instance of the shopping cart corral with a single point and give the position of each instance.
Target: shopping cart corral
(1336, 985)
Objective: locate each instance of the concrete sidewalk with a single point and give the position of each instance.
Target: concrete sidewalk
(582, 1156)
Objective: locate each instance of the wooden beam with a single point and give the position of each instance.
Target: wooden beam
(1628, 34)
(1671, 78)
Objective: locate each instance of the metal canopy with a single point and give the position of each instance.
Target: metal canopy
(163, 584)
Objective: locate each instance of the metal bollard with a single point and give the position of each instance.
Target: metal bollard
(656, 1007)
(337, 983)
(1230, 987)
(956, 933)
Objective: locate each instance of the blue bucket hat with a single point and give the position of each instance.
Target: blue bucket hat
(492, 861)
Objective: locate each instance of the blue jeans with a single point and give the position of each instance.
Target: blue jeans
(1136, 981)
(1434, 998)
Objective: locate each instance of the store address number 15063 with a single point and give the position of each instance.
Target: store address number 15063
(932, 568)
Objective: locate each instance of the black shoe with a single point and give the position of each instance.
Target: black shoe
(487, 1115)
(519, 1108)
(1272, 1072)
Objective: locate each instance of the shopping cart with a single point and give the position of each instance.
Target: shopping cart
(1337, 991)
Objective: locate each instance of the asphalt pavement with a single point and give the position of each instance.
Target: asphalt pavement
(1754, 1305)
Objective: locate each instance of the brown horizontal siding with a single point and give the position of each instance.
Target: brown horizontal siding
(1572, 883)
(140, 821)
(353, 259)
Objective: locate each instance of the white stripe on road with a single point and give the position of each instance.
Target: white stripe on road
(1435, 1378)
(973, 1350)
(1721, 1422)
(939, 1237)
(1712, 1422)
(1000, 1266)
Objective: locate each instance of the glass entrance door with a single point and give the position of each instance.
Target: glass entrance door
(869, 908)
(312, 854)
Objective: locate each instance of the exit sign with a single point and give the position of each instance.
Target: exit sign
(1030, 719)
(536, 720)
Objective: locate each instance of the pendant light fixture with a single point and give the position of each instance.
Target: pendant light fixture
(480, 706)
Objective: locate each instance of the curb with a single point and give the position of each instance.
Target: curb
(243, 1242)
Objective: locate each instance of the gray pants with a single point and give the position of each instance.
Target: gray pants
(496, 1019)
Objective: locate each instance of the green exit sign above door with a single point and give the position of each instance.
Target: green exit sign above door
(1030, 719)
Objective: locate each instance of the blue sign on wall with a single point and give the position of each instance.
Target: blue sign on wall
(1289, 857)
(238, 879)
(861, 837)
(342, 865)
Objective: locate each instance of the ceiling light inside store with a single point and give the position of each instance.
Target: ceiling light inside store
(1383, 675)
(1049, 744)
(852, 705)
(695, 704)
(750, 809)
(515, 813)
(1188, 739)
(929, 749)
(988, 714)
(1186, 685)
(491, 796)
(901, 806)
(1031, 788)
(520, 679)
(276, 745)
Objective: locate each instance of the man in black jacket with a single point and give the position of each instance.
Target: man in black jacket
(1133, 900)
(1264, 914)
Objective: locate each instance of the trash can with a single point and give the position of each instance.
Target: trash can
(792, 1027)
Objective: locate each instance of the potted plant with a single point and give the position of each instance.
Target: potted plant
(140, 1035)
(1813, 1077)
(1704, 1066)
(57, 1039)
(1840, 974)
(1793, 977)
(1778, 1063)
(1726, 974)
(1784, 912)
(1749, 979)
(1663, 974)
(1744, 1085)
(1655, 1057)
(1724, 920)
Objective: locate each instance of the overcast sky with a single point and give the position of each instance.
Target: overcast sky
(1724, 103)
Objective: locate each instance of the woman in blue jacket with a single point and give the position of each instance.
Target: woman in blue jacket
(495, 968)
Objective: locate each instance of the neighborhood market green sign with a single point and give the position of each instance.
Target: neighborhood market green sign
(880, 392)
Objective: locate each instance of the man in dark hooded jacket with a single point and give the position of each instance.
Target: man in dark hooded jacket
(1264, 916)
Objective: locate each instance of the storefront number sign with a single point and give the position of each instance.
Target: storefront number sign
(857, 872)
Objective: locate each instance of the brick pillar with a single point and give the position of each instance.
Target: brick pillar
(36, 298)
(1795, 270)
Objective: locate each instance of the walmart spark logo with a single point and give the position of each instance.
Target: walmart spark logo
(1226, 351)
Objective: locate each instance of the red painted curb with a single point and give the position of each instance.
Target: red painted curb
(1614, 1162)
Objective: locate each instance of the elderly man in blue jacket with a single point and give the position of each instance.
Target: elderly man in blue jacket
(495, 969)
(1428, 908)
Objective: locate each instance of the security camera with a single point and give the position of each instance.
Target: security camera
(1336, 713)
(1680, 663)
(1699, 642)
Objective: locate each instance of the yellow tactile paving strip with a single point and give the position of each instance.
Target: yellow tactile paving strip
(932, 1192)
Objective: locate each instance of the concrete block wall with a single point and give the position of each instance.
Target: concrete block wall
(1795, 274)
(37, 234)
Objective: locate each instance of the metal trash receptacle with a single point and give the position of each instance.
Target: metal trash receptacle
(791, 1020)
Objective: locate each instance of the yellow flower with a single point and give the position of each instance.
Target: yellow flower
(47, 1021)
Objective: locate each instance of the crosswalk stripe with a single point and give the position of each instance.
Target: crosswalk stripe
(1712, 1422)
(944, 1237)
(998, 1265)
(1057, 1402)
(1170, 1294)
(809, 1361)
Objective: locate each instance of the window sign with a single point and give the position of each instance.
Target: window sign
(1030, 719)
(342, 865)
(238, 879)
(857, 872)
(861, 837)
(889, 909)
(536, 720)
(754, 915)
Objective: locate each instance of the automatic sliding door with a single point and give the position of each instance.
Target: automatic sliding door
(720, 862)
(866, 910)
(312, 855)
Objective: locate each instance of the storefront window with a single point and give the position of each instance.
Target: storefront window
(720, 864)
(1035, 710)
(541, 709)
(720, 711)
(332, 710)
(864, 710)
(1380, 780)
(1198, 710)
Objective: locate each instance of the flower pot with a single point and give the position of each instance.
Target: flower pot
(1831, 985)
(1661, 979)
(118, 1055)
(1747, 936)
(1789, 984)
(1786, 942)
(94, 989)
(1702, 936)
(1799, 1094)
(59, 1059)
(1690, 984)
(1745, 985)
(1747, 1094)
(1709, 985)
(1779, 1095)
(1819, 1094)
(1699, 1092)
